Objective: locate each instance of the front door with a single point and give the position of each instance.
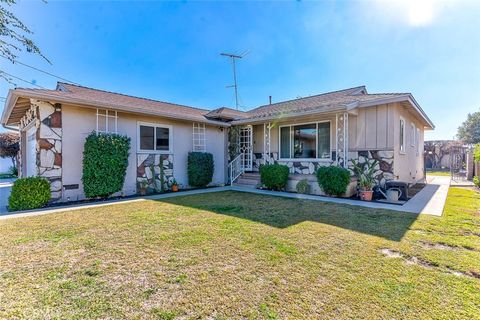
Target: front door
(246, 147)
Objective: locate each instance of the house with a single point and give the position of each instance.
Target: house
(305, 133)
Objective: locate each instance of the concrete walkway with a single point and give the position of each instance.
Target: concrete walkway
(5, 188)
(430, 200)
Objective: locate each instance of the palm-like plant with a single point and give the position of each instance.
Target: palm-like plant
(365, 172)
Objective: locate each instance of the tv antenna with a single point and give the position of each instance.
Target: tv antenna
(233, 56)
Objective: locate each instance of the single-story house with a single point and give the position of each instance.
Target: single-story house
(326, 129)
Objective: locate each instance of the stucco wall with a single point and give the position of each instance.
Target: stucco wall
(79, 122)
(409, 165)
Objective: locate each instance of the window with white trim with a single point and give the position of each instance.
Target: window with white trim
(305, 141)
(417, 141)
(402, 135)
(413, 133)
(156, 138)
(199, 144)
(107, 121)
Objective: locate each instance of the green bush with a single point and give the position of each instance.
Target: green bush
(200, 168)
(333, 180)
(476, 181)
(274, 176)
(105, 162)
(29, 193)
(476, 153)
(303, 186)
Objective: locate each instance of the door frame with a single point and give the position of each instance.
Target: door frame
(246, 147)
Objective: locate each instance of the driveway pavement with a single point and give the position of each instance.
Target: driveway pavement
(5, 188)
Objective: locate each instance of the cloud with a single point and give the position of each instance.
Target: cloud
(414, 13)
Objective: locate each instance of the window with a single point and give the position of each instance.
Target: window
(199, 144)
(106, 121)
(402, 135)
(412, 135)
(154, 137)
(305, 141)
(417, 141)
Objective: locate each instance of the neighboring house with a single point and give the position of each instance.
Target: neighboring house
(305, 133)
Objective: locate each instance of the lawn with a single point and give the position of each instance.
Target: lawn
(237, 255)
(438, 173)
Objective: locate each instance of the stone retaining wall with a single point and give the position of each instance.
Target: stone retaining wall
(148, 170)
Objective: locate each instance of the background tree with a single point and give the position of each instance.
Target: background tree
(14, 36)
(9, 146)
(469, 131)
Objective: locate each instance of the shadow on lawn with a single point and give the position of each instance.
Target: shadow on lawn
(284, 212)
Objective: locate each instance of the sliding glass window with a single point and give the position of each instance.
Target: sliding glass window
(305, 141)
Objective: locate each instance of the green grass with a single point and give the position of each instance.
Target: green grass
(438, 173)
(237, 255)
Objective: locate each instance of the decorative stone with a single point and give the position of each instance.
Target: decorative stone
(305, 171)
(56, 120)
(45, 144)
(58, 159)
(58, 146)
(56, 185)
(385, 154)
(166, 162)
(51, 173)
(47, 158)
(46, 132)
(45, 109)
(311, 167)
(55, 195)
(141, 157)
(148, 173)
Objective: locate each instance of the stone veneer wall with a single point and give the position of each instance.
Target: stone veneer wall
(47, 120)
(148, 169)
(384, 167)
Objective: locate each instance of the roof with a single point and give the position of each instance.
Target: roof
(226, 113)
(343, 100)
(79, 95)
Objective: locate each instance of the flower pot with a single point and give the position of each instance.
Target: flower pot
(366, 195)
(142, 192)
(175, 188)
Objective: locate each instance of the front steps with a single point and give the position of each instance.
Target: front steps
(248, 180)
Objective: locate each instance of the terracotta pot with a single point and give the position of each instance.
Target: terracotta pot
(366, 195)
(142, 192)
(175, 188)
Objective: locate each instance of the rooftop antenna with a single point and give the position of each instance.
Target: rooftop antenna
(233, 57)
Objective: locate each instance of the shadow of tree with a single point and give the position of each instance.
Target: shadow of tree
(284, 212)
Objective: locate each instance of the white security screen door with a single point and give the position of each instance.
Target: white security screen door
(31, 154)
(246, 147)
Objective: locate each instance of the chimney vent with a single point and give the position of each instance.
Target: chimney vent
(270, 99)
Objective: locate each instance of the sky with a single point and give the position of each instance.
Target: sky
(170, 51)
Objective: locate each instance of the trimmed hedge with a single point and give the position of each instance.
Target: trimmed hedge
(274, 176)
(105, 162)
(333, 180)
(29, 193)
(200, 168)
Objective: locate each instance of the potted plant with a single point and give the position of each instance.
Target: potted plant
(174, 185)
(365, 173)
(142, 187)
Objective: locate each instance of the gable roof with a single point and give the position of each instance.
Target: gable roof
(84, 96)
(342, 100)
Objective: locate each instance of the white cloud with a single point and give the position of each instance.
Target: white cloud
(415, 13)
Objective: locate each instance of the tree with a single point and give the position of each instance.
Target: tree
(14, 36)
(9, 146)
(469, 131)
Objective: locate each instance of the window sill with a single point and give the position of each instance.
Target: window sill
(305, 160)
(155, 151)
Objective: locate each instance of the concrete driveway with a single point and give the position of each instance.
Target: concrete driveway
(5, 188)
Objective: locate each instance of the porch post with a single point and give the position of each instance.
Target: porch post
(341, 138)
(266, 142)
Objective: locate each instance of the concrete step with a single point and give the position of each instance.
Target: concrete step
(247, 181)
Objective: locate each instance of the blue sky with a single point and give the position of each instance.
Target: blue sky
(170, 51)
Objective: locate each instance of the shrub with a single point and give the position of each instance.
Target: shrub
(29, 193)
(303, 186)
(200, 168)
(476, 181)
(476, 153)
(274, 176)
(333, 180)
(105, 162)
